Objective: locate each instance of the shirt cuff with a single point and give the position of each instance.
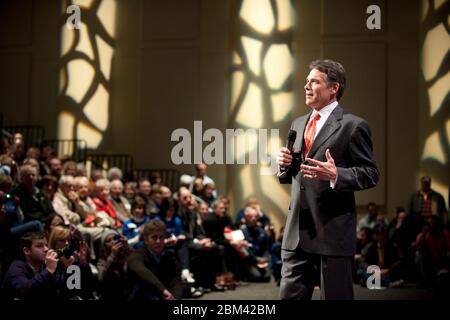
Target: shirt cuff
(333, 183)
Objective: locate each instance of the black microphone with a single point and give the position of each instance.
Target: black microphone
(292, 134)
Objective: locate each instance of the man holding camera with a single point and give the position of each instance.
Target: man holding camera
(35, 277)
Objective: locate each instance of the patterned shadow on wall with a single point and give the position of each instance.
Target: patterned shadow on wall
(261, 91)
(435, 101)
(85, 72)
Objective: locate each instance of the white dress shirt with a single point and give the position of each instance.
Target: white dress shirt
(324, 114)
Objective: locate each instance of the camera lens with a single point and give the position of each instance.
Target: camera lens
(59, 252)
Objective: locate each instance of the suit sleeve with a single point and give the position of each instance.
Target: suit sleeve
(285, 177)
(361, 171)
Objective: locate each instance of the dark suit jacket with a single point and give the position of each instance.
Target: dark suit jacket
(322, 220)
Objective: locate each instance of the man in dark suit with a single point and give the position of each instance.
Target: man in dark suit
(330, 159)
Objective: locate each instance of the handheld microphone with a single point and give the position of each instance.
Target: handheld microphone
(292, 134)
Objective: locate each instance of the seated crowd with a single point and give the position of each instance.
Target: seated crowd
(128, 239)
(413, 248)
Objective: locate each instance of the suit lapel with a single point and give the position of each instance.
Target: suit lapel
(329, 127)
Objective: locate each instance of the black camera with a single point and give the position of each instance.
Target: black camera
(69, 249)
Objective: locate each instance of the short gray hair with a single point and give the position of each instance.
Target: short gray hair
(102, 183)
(114, 170)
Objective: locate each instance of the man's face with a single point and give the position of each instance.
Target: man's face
(166, 193)
(251, 217)
(68, 186)
(426, 184)
(155, 242)
(373, 211)
(55, 166)
(185, 198)
(208, 191)
(37, 251)
(116, 189)
(145, 188)
(219, 210)
(157, 198)
(362, 235)
(203, 210)
(201, 170)
(317, 92)
(29, 178)
(82, 189)
(71, 170)
(401, 216)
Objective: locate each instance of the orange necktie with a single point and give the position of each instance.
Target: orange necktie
(309, 134)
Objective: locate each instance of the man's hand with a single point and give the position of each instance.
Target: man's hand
(51, 261)
(284, 158)
(73, 196)
(167, 295)
(322, 170)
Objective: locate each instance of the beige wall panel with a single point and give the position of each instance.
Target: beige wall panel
(170, 19)
(15, 71)
(365, 96)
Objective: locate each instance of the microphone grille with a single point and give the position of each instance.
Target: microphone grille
(292, 134)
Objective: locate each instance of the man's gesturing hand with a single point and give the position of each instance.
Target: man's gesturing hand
(322, 170)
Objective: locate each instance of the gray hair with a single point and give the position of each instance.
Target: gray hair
(102, 183)
(25, 169)
(82, 180)
(117, 181)
(63, 180)
(114, 171)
